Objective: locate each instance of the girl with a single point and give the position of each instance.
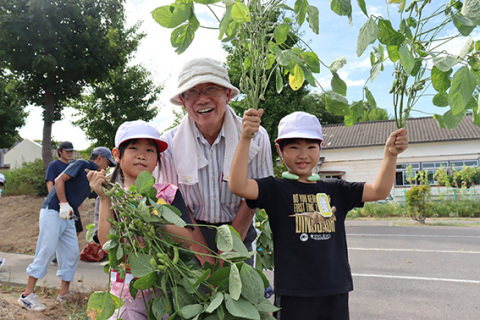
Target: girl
(137, 149)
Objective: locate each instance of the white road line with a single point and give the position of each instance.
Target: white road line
(408, 235)
(414, 278)
(414, 250)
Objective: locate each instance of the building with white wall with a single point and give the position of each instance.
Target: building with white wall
(24, 151)
(355, 153)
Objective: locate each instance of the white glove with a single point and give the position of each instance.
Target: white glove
(66, 212)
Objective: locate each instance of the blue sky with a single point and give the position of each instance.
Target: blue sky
(336, 38)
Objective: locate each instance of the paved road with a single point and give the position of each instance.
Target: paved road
(415, 272)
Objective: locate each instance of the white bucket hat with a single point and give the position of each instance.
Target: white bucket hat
(202, 70)
(138, 129)
(299, 124)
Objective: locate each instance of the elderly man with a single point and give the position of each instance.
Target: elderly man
(201, 149)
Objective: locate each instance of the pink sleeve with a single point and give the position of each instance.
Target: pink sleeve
(166, 191)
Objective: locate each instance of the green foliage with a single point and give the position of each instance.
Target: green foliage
(415, 44)
(418, 202)
(28, 179)
(128, 94)
(463, 208)
(56, 47)
(464, 178)
(11, 110)
(139, 238)
(264, 258)
(379, 210)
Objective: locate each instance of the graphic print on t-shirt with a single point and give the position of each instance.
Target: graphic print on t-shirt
(313, 215)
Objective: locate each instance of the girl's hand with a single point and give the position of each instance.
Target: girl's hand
(97, 179)
(251, 123)
(397, 142)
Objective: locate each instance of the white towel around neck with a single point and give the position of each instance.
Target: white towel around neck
(187, 163)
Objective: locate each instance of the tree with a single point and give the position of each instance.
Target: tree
(56, 47)
(12, 111)
(128, 94)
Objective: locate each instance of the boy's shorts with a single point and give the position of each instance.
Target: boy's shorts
(312, 308)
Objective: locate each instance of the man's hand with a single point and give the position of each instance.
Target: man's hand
(66, 211)
(251, 123)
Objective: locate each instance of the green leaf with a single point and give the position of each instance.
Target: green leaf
(367, 35)
(110, 244)
(163, 15)
(183, 36)
(313, 19)
(285, 58)
(471, 10)
(278, 80)
(171, 216)
(146, 282)
(281, 33)
(337, 104)
(460, 93)
(301, 7)
(440, 79)
(393, 53)
(440, 99)
(160, 305)
(311, 60)
(377, 67)
(370, 99)
(90, 231)
(235, 283)
(219, 276)
(224, 23)
(241, 308)
(445, 63)
(361, 4)
(341, 7)
(224, 238)
(240, 13)
(191, 310)
(102, 305)
(144, 182)
(387, 35)
(337, 64)
(217, 300)
(338, 85)
(406, 58)
(140, 264)
(265, 306)
(357, 111)
(467, 48)
(206, 1)
(463, 24)
(451, 120)
(252, 284)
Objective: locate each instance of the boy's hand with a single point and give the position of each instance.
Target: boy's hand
(97, 179)
(397, 142)
(251, 123)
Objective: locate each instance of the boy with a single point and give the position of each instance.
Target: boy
(57, 227)
(307, 215)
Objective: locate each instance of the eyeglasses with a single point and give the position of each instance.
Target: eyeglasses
(212, 91)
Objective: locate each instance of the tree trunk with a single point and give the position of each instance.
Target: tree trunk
(47, 128)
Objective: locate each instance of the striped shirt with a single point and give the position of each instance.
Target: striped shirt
(210, 199)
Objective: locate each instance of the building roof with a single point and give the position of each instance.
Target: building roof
(375, 133)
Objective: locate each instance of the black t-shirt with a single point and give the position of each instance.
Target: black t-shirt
(310, 251)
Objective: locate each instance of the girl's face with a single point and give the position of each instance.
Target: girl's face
(139, 155)
(301, 157)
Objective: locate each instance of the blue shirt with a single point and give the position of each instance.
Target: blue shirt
(54, 169)
(77, 188)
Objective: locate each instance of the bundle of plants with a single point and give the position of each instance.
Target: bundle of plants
(179, 287)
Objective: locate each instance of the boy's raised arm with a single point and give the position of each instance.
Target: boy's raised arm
(396, 143)
(239, 183)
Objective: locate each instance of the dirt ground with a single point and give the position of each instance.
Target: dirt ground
(18, 234)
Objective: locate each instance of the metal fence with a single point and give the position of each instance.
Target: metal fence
(440, 193)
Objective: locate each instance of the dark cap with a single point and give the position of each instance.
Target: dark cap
(66, 145)
(106, 153)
